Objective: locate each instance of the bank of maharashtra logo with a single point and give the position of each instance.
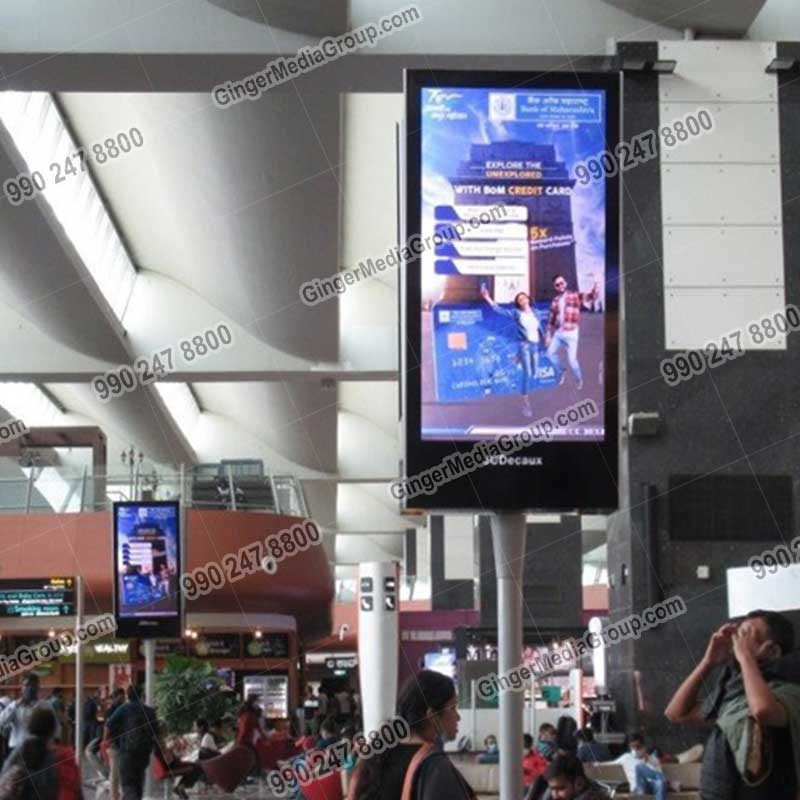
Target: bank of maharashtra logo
(502, 107)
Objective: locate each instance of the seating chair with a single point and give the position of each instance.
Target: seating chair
(609, 776)
(327, 787)
(229, 770)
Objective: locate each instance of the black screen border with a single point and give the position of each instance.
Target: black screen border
(155, 627)
(572, 475)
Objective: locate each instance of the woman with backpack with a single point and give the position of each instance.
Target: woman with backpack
(417, 769)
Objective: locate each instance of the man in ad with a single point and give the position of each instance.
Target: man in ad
(563, 326)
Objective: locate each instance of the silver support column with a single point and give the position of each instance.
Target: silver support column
(149, 670)
(508, 540)
(149, 693)
(473, 715)
(79, 723)
(231, 487)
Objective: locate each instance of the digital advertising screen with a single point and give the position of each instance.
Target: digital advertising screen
(511, 304)
(147, 567)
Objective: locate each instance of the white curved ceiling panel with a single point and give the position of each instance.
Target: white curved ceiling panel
(295, 420)
(241, 205)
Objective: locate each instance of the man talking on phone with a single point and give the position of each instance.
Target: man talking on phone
(753, 751)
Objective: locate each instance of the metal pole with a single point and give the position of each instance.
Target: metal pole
(508, 540)
(533, 709)
(79, 612)
(274, 489)
(230, 487)
(473, 709)
(29, 491)
(149, 669)
(83, 487)
(149, 679)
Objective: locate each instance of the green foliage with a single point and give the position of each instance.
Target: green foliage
(188, 688)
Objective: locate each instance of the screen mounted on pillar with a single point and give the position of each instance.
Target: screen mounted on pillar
(147, 568)
(510, 250)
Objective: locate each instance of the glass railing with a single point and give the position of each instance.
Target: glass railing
(62, 489)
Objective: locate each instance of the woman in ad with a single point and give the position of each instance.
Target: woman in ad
(529, 336)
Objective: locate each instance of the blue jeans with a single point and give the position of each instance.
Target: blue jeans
(529, 357)
(568, 339)
(650, 781)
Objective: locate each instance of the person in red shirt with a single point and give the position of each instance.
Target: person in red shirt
(247, 722)
(533, 762)
(563, 326)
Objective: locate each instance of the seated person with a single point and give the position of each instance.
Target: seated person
(547, 743)
(268, 728)
(642, 769)
(248, 722)
(186, 772)
(566, 743)
(533, 762)
(209, 747)
(589, 750)
(566, 780)
(328, 733)
(492, 754)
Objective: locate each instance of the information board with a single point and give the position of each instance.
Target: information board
(37, 597)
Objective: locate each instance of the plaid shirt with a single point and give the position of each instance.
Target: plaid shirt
(572, 311)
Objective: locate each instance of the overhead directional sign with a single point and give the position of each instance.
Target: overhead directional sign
(37, 597)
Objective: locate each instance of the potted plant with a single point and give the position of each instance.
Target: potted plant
(187, 689)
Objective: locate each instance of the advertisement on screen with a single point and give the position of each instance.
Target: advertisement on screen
(147, 566)
(516, 298)
(512, 315)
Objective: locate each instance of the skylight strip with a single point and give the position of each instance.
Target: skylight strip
(34, 123)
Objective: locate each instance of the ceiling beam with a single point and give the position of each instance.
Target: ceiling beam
(364, 72)
(312, 17)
